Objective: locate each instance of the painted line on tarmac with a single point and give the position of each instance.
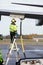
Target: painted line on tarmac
(35, 50)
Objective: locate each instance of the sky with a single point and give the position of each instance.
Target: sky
(28, 25)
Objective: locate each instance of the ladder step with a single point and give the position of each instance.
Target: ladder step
(16, 49)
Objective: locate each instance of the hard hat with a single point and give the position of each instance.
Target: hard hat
(13, 20)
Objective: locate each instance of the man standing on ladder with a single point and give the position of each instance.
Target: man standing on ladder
(13, 45)
(13, 29)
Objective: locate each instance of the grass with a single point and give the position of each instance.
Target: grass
(5, 41)
(25, 41)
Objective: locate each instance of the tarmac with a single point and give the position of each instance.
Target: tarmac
(31, 51)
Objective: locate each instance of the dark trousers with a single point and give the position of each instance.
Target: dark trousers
(12, 36)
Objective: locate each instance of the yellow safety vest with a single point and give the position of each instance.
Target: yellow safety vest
(1, 58)
(13, 28)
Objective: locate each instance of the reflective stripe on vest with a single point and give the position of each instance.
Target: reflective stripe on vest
(13, 28)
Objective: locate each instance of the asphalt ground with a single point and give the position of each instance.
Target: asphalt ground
(31, 51)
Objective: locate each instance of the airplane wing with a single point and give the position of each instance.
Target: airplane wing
(25, 14)
(34, 5)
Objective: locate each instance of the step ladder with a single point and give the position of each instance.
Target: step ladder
(16, 49)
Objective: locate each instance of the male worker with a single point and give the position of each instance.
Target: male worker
(13, 29)
(1, 59)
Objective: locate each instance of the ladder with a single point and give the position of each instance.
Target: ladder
(15, 48)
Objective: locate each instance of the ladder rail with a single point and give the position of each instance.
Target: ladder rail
(10, 51)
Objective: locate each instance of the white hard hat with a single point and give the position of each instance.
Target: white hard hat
(13, 20)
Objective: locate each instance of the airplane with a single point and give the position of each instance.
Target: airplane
(24, 14)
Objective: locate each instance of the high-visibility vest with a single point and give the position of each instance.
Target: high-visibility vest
(1, 58)
(13, 28)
